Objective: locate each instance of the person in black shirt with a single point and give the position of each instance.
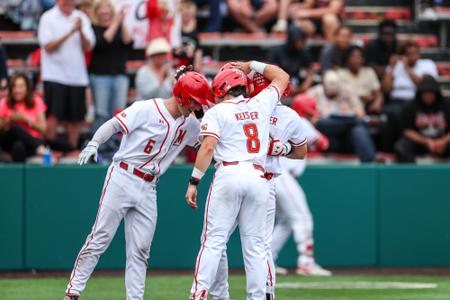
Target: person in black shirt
(380, 51)
(109, 81)
(426, 124)
(293, 58)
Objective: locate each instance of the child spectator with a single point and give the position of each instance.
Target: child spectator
(381, 50)
(64, 35)
(426, 124)
(331, 54)
(154, 79)
(108, 78)
(253, 15)
(362, 79)
(189, 53)
(293, 58)
(22, 120)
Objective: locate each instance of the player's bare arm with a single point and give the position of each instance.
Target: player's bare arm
(202, 162)
(273, 73)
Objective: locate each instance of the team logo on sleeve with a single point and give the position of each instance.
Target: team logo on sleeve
(180, 137)
(204, 127)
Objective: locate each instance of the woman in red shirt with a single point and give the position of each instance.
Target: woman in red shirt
(22, 120)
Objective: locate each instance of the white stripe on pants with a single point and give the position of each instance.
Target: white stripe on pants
(124, 196)
(237, 194)
(219, 289)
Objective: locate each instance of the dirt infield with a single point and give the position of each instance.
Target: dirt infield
(336, 271)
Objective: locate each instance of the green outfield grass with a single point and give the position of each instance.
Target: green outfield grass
(292, 287)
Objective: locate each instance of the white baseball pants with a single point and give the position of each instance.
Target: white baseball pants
(220, 288)
(125, 196)
(238, 194)
(293, 215)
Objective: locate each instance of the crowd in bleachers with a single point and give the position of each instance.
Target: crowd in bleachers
(369, 98)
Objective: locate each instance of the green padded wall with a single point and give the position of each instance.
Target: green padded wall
(342, 200)
(364, 216)
(414, 214)
(11, 217)
(61, 206)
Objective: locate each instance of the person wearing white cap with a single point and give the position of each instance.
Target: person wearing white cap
(340, 118)
(154, 79)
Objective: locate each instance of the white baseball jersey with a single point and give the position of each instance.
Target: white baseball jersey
(153, 138)
(287, 126)
(243, 124)
(297, 166)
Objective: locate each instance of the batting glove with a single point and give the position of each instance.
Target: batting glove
(277, 148)
(88, 153)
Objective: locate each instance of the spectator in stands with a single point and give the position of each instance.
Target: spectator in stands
(314, 16)
(400, 82)
(64, 34)
(3, 68)
(406, 72)
(86, 6)
(22, 120)
(331, 54)
(189, 53)
(426, 124)
(340, 118)
(164, 21)
(294, 59)
(108, 77)
(214, 23)
(154, 79)
(253, 15)
(380, 51)
(362, 79)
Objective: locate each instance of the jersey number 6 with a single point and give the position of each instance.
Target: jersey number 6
(253, 143)
(148, 148)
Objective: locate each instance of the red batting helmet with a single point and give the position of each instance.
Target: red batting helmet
(192, 85)
(304, 105)
(260, 83)
(227, 79)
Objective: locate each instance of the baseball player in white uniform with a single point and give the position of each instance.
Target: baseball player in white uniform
(293, 214)
(154, 132)
(288, 139)
(236, 133)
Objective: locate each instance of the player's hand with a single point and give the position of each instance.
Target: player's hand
(191, 196)
(88, 153)
(277, 148)
(243, 66)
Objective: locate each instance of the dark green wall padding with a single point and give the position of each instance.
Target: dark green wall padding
(364, 216)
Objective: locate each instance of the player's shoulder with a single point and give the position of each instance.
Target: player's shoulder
(284, 111)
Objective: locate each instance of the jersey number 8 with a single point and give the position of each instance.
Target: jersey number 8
(253, 143)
